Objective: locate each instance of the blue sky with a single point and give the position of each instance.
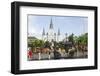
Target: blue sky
(66, 24)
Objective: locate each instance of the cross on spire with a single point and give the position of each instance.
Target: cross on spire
(51, 24)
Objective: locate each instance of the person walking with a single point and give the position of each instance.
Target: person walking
(30, 54)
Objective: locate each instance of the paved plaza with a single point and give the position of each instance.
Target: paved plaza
(44, 56)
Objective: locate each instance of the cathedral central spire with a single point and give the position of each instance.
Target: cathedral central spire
(51, 24)
(51, 35)
(43, 33)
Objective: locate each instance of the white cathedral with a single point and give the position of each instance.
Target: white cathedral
(51, 35)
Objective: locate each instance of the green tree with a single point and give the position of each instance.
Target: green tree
(61, 44)
(70, 38)
(47, 44)
(83, 39)
(75, 39)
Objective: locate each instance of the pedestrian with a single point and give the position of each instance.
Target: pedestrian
(57, 55)
(30, 53)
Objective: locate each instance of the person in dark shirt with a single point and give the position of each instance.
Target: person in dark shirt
(57, 55)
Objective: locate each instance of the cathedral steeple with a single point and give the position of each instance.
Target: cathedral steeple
(58, 31)
(58, 35)
(43, 33)
(51, 24)
(51, 35)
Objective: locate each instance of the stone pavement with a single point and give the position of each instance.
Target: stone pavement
(63, 56)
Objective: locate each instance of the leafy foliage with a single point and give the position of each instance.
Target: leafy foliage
(83, 39)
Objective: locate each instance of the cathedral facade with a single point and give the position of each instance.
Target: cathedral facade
(51, 35)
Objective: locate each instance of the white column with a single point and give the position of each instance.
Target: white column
(39, 54)
(49, 57)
